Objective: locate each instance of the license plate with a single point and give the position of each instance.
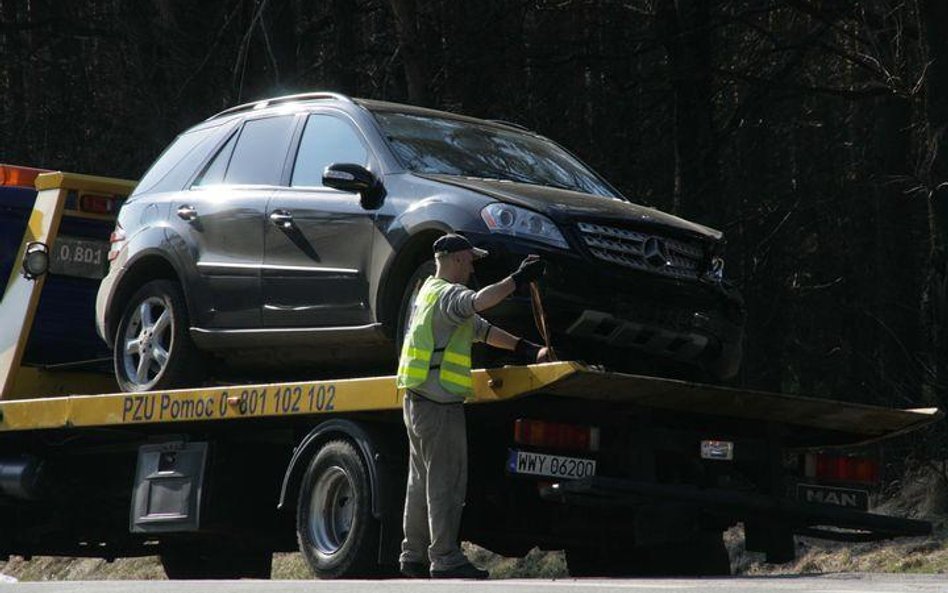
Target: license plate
(720, 450)
(552, 466)
(841, 497)
(79, 257)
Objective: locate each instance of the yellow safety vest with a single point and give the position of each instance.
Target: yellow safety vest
(415, 361)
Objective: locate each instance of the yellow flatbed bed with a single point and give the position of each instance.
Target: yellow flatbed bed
(838, 422)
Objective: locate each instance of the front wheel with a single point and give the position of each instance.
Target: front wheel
(412, 288)
(153, 349)
(482, 355)
(337, 533)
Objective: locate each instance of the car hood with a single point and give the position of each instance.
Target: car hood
(564, 205)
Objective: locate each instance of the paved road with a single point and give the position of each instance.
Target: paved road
(848, 583)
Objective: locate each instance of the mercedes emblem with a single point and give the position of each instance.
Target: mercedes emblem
(655, 253)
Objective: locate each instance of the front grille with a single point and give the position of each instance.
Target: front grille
(668, 256)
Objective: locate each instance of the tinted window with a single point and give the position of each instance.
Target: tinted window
(180, 160)
(326, 140)
(260, 151)
(214, 173)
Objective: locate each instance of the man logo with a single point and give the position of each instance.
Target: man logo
(841, 497)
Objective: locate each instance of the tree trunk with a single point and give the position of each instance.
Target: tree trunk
(412, 51)
(935, 17)
(686, 35)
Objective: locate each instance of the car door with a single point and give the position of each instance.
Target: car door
(318, 239)
(225, 213)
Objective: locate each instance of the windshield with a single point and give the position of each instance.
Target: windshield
(454, 147)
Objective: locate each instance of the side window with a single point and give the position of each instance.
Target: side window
(180, 160)
(260, 151)
(326, 140)
(214, 173)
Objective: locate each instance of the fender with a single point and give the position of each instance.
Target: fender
(121, 282)
(162, 242)
(369, 441)
(442, 213)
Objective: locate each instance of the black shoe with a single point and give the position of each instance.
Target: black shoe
(465, 571)
(413, 570)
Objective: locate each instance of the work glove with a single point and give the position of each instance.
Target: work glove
(530, 351)
(530, 270)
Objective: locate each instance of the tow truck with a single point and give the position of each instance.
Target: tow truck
(630, 475)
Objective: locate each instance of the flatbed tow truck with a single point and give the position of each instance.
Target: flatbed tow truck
(630, 475)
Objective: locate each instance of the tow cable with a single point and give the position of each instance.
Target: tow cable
(540, 319)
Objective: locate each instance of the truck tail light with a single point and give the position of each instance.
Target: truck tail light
(556, 435)
(96, 204)
(116, 241)
(14, 176)
(841, 468)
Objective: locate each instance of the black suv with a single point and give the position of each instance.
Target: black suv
(294, 231)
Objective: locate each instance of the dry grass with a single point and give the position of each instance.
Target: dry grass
(46, 568)
(921, 495)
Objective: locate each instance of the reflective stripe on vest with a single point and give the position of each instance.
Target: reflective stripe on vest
(414, 363)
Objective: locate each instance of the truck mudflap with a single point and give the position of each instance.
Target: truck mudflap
(815, 520)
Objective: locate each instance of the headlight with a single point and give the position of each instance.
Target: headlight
(520, 222)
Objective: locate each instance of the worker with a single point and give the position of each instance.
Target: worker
(435, 370)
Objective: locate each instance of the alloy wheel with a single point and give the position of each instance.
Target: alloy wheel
(148, 342)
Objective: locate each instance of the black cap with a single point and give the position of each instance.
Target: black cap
(453, 243)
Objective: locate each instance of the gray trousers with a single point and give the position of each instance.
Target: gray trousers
(437, 482)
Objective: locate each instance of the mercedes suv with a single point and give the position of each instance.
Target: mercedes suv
(292, 233)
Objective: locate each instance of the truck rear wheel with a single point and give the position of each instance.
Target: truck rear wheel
(704, 555)
(214, 560)
(153, 349)
(337, 533)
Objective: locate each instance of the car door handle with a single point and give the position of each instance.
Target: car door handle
(187, 213)
(281, 218)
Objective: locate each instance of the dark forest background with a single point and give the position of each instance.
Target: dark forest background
(808, 130)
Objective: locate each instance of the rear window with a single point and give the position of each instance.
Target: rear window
(260, 152)
(180, 160)
(214, 173)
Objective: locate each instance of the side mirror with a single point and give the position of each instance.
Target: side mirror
(356, 179)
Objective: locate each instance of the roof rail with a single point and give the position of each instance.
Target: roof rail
(511, 124)
(264, 103)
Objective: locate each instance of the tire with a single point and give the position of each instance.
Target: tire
(337, 533)
(727, 364)
(482, 356)
(586, 562)
(214, 560)
(704, 555)
(154, 328)
(424, 269)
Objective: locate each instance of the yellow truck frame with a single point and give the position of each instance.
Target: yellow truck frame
(215, 479)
